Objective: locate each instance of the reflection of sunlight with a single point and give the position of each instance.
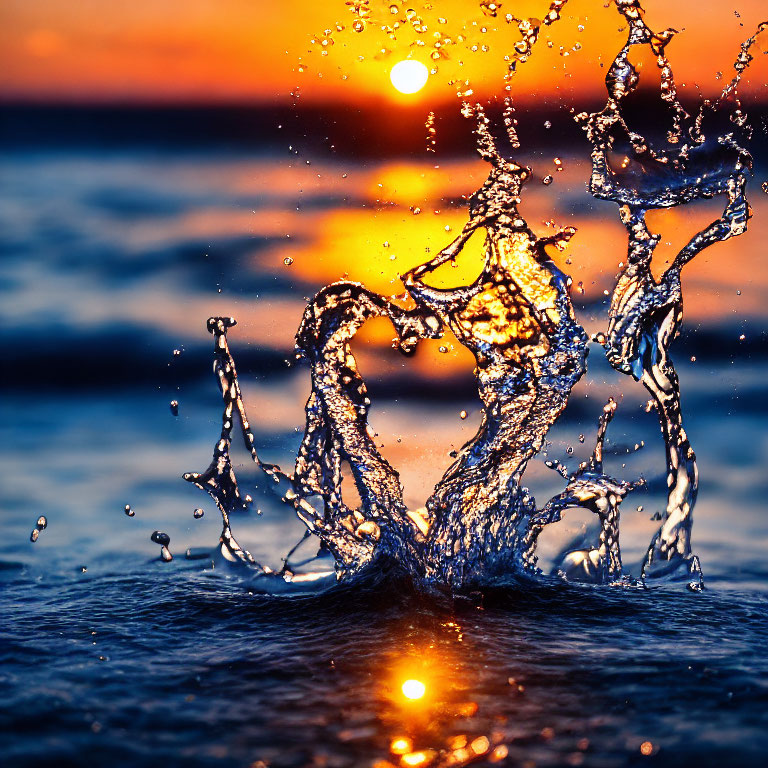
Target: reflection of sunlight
(428, 710)
(400, 746)
(413, 689)
(376, 247)
(417, 758)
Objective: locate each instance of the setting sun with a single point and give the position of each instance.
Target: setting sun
(409, 76)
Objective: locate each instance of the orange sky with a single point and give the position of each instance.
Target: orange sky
(251, 50)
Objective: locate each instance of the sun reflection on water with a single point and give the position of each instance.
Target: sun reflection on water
(428, 709)
(413, 689)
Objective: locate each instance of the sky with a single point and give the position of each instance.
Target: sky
(262, 51)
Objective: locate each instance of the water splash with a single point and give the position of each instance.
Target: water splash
(645, 314)
(516, 318)
(481, 523)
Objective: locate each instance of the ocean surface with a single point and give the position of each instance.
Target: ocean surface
(111, 261)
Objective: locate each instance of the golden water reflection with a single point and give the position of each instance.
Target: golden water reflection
(377, 241)
(428, 710)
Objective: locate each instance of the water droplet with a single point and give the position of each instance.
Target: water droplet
(463, 415)
(174, 405)
(547, 180)
(42, 524)
(129, 511)
(161, 538)
(198, 513)
(287, 261)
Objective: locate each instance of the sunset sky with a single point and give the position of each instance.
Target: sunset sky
(208, 51)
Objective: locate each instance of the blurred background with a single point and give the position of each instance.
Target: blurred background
(161, 162)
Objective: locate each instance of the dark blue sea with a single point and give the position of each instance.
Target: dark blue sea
(112, 259)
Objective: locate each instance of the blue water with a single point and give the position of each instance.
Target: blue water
(108, 656)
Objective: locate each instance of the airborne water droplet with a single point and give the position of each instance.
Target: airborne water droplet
(42, 524)
(129, 511)
(287, 261)
(198, 513)
(161, 538)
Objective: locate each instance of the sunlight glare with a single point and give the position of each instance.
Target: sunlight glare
(413, 689)
(409, 76)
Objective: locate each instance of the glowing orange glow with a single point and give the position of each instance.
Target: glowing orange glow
(413, 689)
(237, 49)
(646, 748)
(409, 76)
(416, 758)
(401, 746)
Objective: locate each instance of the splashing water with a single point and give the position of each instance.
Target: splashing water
(645, 314)
(480, 523)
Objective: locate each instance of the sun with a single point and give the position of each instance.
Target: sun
(409, 76)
